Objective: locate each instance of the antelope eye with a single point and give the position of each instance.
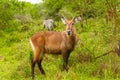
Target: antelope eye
(72, 23)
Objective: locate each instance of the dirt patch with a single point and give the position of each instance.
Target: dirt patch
(113, 68)
(100, 70)
(1, 57)
(84, 58)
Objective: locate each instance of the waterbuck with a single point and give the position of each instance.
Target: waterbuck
(50, 42)
(49, 24)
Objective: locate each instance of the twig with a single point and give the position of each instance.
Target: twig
(104, 54)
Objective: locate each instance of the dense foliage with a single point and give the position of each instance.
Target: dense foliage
(98, 33)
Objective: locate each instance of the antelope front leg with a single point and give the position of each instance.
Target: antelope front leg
(65, 60)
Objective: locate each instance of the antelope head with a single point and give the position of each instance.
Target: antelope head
(70, 24)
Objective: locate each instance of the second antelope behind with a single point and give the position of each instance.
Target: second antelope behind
(50, 42)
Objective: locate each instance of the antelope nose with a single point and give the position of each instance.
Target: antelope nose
(68, 32)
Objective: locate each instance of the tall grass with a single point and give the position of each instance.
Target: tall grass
(95, 38)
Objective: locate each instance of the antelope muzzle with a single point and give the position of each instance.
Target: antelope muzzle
(69, 32)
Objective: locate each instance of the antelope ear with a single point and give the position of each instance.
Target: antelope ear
(63, 20)
(77, 19)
